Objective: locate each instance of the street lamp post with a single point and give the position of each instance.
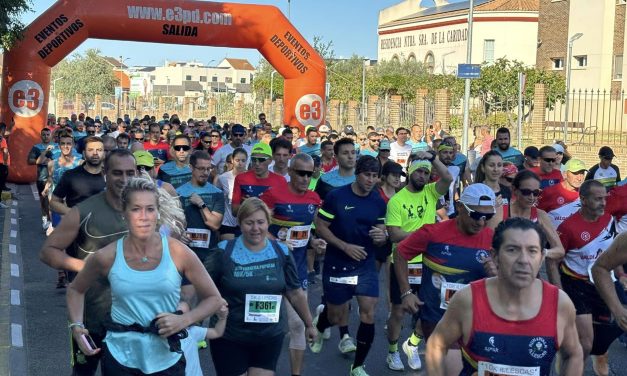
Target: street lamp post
(121, 73)
(571, 41)
(363, 94)
(167, 86)
(467, 87)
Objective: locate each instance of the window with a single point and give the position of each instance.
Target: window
(242, 80)
(430, 62)
(214, 79)
(558, 62)
(621, 2)
(617, 69)
(188, 78)
(488, 50)
(411, 58)
(203, 78)
(228, 80)
(581, 61)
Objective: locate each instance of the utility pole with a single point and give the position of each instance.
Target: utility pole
(467, 87)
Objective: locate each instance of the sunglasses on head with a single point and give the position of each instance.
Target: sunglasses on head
(549, 160)
(258, 159)
(181, 147)
(304, 173)
(478, 216)
(529, 192)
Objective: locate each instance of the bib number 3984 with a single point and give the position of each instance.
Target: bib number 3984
(262, 309)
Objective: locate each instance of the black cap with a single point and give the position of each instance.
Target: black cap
(606, 152)
(349, 129)
(391, 167)
(532, 152)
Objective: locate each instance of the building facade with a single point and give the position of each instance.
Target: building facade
(597, 56)
(438, 36)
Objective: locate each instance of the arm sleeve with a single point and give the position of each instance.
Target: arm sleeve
(415, 244)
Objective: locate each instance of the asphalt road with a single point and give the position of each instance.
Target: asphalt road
(47, 339)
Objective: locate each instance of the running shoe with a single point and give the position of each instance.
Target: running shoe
(45, 223)
(394, 361)
(316, 345)
(413, 356)
(327, 332)
(359, 371)
(346, 344)
(202, 344)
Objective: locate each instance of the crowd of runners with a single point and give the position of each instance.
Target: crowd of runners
(171, 235)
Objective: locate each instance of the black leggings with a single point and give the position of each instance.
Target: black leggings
(4, 173)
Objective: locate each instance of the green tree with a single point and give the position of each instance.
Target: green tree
(88, 75)
(10, 26)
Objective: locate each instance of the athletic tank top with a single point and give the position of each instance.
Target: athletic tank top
(533, 217)
(59, 170)
(100, 225)
(138, 296)
(502, 347)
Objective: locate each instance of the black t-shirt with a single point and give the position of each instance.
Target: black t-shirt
(77, 184)
(42, 169)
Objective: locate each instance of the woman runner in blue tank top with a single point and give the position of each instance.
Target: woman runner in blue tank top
(144, 270)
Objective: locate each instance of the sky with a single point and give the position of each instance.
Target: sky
(350, 24)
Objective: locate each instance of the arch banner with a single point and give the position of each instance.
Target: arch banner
(66, 24)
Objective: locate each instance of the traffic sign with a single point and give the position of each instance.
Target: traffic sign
(469, 71)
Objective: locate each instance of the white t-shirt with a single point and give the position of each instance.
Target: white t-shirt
(225, 183)
(400, 154)
(219, 157)
(286, 176)
(189, 346)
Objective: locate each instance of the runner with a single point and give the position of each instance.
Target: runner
(146, 163)
(100, 214)
(155, 146)
(345, 155)
(311, 147)
(225, 183)
(144, 270)
(605, 171)
(585, 235)
(39, 156)
(281, 154)
(455, 253)
(514, 323)
(509, 154)
(489, 172)
(384, 152)
(548, 174)
(294, 208)
(408, 210)
(258, 179)
(561, 200)
(255, 275)
(351, 221)
(203, 205)
(372, 148)
(177, 172)
(327, 156)
(401, 149)
(238, 136)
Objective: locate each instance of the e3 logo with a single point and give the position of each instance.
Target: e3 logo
(310, 110)
(26, 98)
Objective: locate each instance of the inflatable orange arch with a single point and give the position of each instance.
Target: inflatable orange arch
(65, 25)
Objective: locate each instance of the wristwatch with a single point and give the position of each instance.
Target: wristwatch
(432, 157)
(203, 206)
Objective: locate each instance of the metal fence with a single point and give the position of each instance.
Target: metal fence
(595, 117)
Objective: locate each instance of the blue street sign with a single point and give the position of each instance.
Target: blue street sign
(468, 71)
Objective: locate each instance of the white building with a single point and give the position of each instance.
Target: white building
(438, 35)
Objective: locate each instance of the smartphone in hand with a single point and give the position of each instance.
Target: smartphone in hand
(88, 341)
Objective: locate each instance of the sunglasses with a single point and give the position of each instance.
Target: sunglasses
(139, 139)
(181, 147)
(608, 158)
(511, 180)
(373, 140)
(477, 216)
(258, 159)
(362, 139)
(206, 141)
(144, 168)
(529, 192)
(238, 134)
(549, 160)
(304, 173)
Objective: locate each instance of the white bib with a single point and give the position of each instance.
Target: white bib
(447, 290)
(490, 369)
(344, 280)
(200, 237)
(414, 273)
(262, 309)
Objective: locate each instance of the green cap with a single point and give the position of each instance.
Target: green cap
(419, 163)
(575, 165)
(144, 158)
(262, 148)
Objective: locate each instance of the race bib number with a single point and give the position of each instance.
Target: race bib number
(344, 280)
(415, 273)
(491, 369)
(262, 309)
(298, 236)
(447, 290)
(592, 279)
(199, 237)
